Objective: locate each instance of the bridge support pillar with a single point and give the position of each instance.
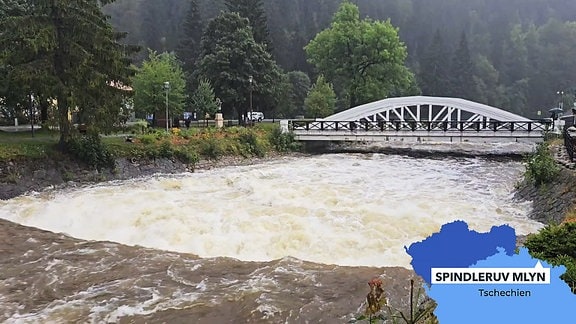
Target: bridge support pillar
(316, 146)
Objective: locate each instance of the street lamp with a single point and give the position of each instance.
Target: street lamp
(561, 94)
(219, 104)
(167, 88)
(32, 113)
(251, 80)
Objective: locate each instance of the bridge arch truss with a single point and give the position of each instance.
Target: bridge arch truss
(424, 116)
(421, 108)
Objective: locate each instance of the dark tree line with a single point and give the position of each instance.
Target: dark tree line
(516, 54)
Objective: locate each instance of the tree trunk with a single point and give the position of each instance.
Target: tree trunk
(63, 121)
(43, 102)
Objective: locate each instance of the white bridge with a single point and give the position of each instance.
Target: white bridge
(421, 118)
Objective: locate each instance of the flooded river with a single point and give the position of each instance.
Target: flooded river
(291, 240)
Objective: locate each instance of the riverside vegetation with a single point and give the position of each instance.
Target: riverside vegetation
(189, 146)
(555, 243)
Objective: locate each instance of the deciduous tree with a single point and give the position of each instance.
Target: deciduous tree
(149, 90)
(364, 59)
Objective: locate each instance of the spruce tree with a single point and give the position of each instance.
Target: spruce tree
(189, 46)
(254, 11)
(229, 56)
(435, 68)
(67, 51)
(462, 72)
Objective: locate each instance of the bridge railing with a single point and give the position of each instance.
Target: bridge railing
(429, 126)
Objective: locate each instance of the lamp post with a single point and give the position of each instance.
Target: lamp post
(219, 104)
(561, 103)
(251, 80)
(167, 89)
(32, 113)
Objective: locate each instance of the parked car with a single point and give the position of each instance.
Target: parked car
(256, 116)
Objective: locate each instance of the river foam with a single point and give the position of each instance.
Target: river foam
(332, 209)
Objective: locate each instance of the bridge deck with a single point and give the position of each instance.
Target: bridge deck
(383, 131)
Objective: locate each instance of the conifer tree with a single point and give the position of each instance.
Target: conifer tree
(68, 51)
(321, 99)
(229, 56)
(254, 11)
(462, 72)
(189, 46)
(435, 68)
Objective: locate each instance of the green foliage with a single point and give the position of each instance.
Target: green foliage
(253, 10)
(204, 100)
(528, 47)
(212, 148)
(187, 156)
(283, 142)
(90, 150)
(462, 72)
(166, 150)
(434, 73)
(252, 144)
(541, 166)
(556, 244)
(229, 56)
(298, 86)
(189, 46)
(64, 50)
(321, 99)
(369, 54)
(149, 90)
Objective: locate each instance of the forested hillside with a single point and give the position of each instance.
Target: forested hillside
(515, 54)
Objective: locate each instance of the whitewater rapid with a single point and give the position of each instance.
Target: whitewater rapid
(351, 210)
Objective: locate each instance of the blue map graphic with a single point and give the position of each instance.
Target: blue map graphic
(458, 247)
(455, 246)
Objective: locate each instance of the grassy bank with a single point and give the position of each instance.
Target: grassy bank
(187, 145)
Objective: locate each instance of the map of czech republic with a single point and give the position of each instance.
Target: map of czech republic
(477, 278)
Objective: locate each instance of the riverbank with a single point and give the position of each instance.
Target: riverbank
(553, 202)
(35, 163)
(207, 290)
(20, 177)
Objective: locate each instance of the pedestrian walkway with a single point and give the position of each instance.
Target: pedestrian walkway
(19, 128)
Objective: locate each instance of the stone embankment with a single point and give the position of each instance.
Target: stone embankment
(20, 177)
(552, 202)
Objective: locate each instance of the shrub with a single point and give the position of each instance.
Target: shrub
(187, 156)
(139, 127)
(211, 148)
(541, 166)
(556, 244)
(90, 150)
(166, 150)
(252, 144)
(148, 138)
(283, 142)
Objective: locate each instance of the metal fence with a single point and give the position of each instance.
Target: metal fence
(430, 126)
